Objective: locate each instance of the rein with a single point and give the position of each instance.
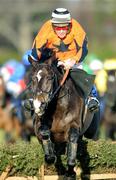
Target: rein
(64, 77)
(61, 84)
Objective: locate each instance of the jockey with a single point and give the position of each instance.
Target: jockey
(25, 61)
(27, 65)
(13, 73)
(68, 39)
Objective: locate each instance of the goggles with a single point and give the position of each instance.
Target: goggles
(64, 28)
(59, 27)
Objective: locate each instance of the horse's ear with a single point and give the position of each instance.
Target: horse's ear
(32, 61)
(53, 58)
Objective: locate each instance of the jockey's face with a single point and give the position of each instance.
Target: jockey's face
(61, 31)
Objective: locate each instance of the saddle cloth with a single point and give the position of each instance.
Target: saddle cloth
(82, 81)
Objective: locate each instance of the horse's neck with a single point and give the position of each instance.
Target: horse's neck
(67, 91)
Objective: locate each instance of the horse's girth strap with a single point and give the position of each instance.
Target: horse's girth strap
(64, 77)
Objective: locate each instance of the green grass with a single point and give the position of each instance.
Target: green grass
(27, 158)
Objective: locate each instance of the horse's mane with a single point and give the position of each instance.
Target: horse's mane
(47, 54)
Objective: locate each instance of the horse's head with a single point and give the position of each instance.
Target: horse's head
(43, 84)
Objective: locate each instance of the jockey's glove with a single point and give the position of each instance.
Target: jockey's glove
(68, 64)
(60, 63)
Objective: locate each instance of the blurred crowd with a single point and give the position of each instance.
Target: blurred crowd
(105, 81)
(14, 79)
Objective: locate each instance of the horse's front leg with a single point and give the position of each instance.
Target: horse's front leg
(42, 133)
(72, 153)
(48, 146)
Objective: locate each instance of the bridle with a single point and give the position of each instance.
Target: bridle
(56, 84)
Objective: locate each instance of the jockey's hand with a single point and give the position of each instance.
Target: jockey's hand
(60, 63)
(67, 64)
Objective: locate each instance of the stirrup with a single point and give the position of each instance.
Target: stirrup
(93, 104)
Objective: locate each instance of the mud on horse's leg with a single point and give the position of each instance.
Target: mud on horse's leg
(47, 146)
(72, 153)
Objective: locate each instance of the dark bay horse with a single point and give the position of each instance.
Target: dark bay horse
(58, 112)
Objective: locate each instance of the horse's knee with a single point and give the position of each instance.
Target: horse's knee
(44, 133)
(47, 145)
(73, 135)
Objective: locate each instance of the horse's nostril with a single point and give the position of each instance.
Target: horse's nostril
(40, 110)
(43, 105)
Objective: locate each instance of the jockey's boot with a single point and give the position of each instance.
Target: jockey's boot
(93, 104)
(28, 106)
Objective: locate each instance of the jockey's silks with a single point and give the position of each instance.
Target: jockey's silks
(73, 46)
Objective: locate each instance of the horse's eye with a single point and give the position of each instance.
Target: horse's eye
(50, 77)
(34, 79)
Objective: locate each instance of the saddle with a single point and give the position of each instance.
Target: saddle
(82, 81)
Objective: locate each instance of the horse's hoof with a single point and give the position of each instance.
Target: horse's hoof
(69, 177)
(50, 159)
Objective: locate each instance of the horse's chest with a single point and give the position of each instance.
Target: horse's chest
(57, 125)
(61, 123)
(59, 131)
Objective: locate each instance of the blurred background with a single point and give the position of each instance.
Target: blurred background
(20, 20)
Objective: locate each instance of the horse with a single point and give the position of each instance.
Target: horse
(11, 123)
(59, 112)
(8, 122)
